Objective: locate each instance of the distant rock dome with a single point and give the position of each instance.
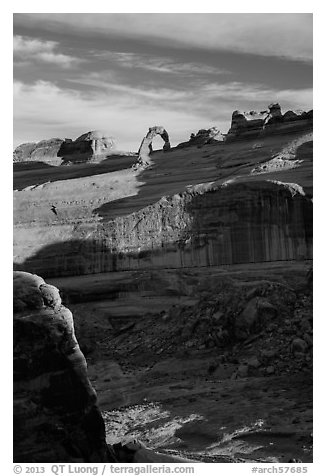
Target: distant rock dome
(92, 135)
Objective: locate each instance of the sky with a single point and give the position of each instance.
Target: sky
(123, 73)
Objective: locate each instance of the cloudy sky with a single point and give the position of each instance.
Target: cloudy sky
(123, 73)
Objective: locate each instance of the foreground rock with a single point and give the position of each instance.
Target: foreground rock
(56, 417)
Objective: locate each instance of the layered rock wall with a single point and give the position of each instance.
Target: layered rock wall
(56, 418)
(239, 223)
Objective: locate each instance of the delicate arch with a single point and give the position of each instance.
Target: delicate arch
(146, 148)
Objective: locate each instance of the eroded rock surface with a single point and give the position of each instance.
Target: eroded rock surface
(56, 417)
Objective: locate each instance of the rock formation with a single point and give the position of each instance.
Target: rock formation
(238, 223)
(91, 146)
(23, 151)
(146, 149)
(56, 417)
(253, 124)
(204, 136)
(43, 151)
(251, 203)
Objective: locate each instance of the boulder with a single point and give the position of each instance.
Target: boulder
(56, 417)
(253, 363)
(298, 345)
(255, 315)
(242, 371)
(268, 354)
(270, 370)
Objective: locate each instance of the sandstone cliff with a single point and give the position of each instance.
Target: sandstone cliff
(237, 223)
(56, 417)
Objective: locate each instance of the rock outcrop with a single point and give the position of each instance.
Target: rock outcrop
(253, 124)
(89, 147)
(203, 137)
(56, 417)
(146, 148)
(23, 151)
(43, 151)
(208, 226)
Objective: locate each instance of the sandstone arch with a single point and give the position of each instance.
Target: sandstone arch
(146, 149)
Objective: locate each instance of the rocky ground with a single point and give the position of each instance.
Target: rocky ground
(222, 375)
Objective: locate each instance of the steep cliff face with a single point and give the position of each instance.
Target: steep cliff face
(56, 417)
(207, 225)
